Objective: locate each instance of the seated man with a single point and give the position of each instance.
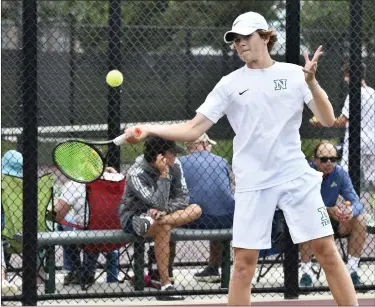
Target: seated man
(73, 199)
(155, 201)
(208, 181)
(345, 218)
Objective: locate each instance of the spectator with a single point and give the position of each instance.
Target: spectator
(11, 164)
(367, 127)
(346, 218)
(73, 199)
(155, 200)
(208, 181)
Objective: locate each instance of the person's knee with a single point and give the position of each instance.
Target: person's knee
(359, 222)
(325, 251)
(245, 262)
(194, 210)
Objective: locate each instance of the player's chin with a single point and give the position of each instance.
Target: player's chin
(246, 57)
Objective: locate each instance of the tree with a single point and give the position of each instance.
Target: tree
(150, 25)
(328, 23)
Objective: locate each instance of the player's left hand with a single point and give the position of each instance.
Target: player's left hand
(311, 66)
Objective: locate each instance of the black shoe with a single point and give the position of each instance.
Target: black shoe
(209, 274)
(71, 279)
(141, 224)
(87, 280)
(154, 275)
(166, 296)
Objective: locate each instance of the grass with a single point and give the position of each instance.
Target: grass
(129, 153)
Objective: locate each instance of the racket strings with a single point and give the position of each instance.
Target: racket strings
(78, 161)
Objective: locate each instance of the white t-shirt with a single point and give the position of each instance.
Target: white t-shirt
(74, 194)
(264, 108)
(367, 122)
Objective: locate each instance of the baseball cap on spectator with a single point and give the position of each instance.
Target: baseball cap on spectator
(246, 24)
(155, 145)
(204, 138)
(11, 163)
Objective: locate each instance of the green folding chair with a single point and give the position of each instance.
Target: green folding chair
(12, 206)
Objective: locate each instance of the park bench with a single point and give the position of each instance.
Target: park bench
(48, 241)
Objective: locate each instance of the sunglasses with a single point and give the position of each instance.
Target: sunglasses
(325, 159)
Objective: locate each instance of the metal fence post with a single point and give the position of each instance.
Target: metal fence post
(292, 56)
(355, 73)
(30, 152)
(114, 96)
(72, 64)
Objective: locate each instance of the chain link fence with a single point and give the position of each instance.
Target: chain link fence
(171, 55)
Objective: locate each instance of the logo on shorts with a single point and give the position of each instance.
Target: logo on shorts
(324, 216)
(280, 84)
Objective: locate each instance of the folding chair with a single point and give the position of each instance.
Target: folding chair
(12, 204)
(103, 198)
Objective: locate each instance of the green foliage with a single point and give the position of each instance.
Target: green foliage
(328, 23)
(150, 25)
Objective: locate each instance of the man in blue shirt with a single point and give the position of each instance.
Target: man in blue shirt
(208, 181)
(346, 218)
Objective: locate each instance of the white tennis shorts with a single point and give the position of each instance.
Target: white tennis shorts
(299, 199)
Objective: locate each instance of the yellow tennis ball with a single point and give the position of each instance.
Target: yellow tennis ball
(114, 78)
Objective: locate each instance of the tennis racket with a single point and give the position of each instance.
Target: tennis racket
(81, 161)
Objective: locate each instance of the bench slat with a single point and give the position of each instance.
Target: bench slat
(118, 236)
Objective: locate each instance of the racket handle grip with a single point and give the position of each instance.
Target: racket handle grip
(120, 140)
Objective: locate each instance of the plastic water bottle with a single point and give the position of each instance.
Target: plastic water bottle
(112, 266)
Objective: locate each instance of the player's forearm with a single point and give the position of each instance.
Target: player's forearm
(322, 107)
(183, 132)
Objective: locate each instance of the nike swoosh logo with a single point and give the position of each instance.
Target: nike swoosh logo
(236, 23)
(243, 91)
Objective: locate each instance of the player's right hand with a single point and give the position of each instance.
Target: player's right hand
(131, 136)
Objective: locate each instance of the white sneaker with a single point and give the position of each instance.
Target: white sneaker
(8, 288)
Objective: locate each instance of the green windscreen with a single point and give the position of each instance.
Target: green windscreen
(78, 161)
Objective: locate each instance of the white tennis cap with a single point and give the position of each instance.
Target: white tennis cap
(245, 24)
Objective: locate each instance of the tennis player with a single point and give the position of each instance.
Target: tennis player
(263, 101)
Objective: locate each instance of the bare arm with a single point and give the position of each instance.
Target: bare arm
(340, 122)
(183, 132)
(320, 105)
(61, 208)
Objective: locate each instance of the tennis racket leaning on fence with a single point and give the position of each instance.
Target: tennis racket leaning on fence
(81, 161)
